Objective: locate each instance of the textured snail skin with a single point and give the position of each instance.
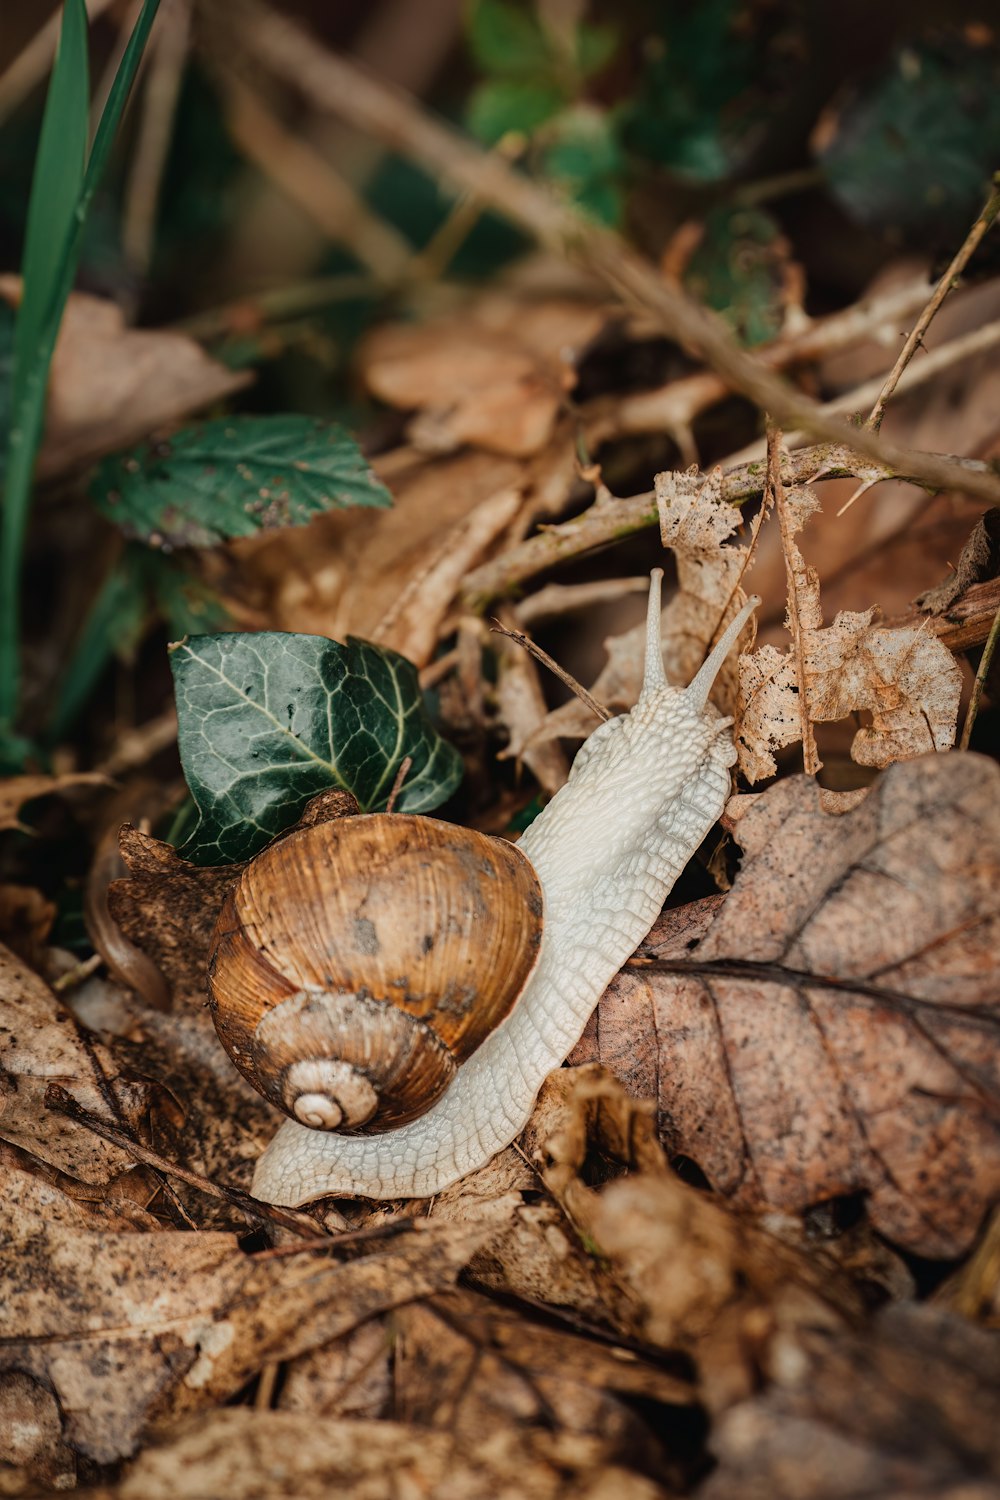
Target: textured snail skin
(644, 791)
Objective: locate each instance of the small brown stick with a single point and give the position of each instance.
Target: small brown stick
(794, 565)
(944, 286)
(405, 766)
(554, 667)
(982, 672)
(63, 1103)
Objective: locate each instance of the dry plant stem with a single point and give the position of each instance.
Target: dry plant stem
(602, 524)
(396, 120)
(944, 286)
(978, 341)
(31, 65)
(982, 672)
(63, 1103)
(397, 785)
(310, 182)
(547, 661)
(775, 491)
(558, 599)
(680, 401)
(170, 38)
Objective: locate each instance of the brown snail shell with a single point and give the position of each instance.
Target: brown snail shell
(357, 963)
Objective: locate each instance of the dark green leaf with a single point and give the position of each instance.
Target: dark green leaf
(266, 721)
(696, 107)
(502, 105)
(739, 269)
(915, 149)
(235, 476)
(507, 38)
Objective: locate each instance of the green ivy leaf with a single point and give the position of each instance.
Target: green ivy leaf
(502, 105)
(914, 149)
(266, 721)
(233, 477)
(583, 153)
(504, 38)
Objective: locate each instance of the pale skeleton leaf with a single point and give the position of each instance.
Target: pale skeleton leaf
(905, 678)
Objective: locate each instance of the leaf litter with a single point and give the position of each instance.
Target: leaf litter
(696, 1270)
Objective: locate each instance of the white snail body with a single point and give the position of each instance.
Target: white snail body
(644, 791)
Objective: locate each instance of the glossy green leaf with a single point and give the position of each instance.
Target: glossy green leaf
(266, 721)
(233, 477)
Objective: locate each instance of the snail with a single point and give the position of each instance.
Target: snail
(401, 987)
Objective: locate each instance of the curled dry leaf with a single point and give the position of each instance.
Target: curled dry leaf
(688, 1274)
(110, 385)
(905, 678)
(494, 377)
(830, 1027)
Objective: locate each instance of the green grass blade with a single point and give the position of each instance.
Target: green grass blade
(30, 381)
(56, 184)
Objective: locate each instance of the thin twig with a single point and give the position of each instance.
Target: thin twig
(547, 661)
(982, 672)
(309, 180)
(944, 286)
(334, 84)
(397, 786)
(602, 524)
(811, 762)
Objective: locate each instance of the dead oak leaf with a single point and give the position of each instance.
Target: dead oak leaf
(905, 678)
(831, 1026)
(697, 524)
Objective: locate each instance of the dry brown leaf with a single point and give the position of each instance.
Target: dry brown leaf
(39, 1045)
(33, 1455)
(132, 1328)
(495, 376)
(907, 1409)
(978, 560)
(110, 385)
(690, 1274)
(830, 1026)
(349, 1377)
(904, 678)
